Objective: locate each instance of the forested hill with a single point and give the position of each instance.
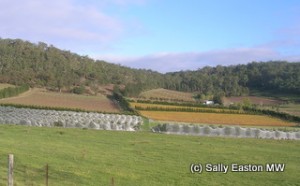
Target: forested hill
(22, 62)
(274, 76)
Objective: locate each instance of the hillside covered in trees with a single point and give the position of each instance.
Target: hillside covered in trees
(22, 62)
(274, 76)
(41, 65)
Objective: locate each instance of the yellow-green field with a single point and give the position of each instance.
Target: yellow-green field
(42, 97)
(216, 118)
(165, 94)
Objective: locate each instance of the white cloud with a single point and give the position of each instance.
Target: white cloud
(169, 62)
(59, 22)
(125, 2)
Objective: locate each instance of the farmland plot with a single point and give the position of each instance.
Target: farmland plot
(252, 99)
(41, 97)
(216, 118)
(68, 119)
(167, 95)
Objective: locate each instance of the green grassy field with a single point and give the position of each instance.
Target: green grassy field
(91, 157)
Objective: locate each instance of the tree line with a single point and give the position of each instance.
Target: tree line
(43, 65)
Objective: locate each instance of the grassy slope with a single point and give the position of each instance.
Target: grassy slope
(90, 157)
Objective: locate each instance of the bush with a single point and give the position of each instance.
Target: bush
(78, 90)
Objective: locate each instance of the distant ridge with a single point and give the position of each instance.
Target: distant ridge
(41, 65)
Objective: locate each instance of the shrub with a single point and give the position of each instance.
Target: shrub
(78, 90)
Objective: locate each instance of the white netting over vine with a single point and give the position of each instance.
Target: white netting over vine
(50, 118)
(239, 132)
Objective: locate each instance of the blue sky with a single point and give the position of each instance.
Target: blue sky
(161, 35)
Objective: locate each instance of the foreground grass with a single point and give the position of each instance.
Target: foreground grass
(91, 157)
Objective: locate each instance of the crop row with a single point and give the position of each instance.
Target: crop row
(237, 131)
(50, 118)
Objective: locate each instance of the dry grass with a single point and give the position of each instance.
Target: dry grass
(4, 85)
(213, 118)
(167, 95)
(41, 97)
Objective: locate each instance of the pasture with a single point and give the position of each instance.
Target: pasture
(168, 95)
(216, 118)
(92, 157)
(42, 97)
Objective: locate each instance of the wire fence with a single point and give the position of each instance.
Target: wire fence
(25, 174)
(22, 174)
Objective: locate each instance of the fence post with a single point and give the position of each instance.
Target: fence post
(112, 181)
(47, 174)
(10, 170)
